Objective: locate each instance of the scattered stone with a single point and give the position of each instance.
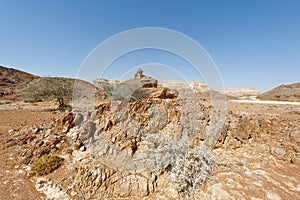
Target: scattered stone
(11, 130)
(83, 148)
(73, 193)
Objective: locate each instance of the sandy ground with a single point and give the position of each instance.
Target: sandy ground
(267, 102)
(14, 184)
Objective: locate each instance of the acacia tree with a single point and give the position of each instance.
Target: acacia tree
(49, 88)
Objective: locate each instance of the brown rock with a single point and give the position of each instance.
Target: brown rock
(164, 93)
(147, 82)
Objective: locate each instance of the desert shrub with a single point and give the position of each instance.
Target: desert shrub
(107, 87)
(192, 169)
(127, 91)
(161, 151)
(69, 151)
(45, 164)
(49, 88)
(189, 166)
(295, 112)
(140, 94)
(5, 102)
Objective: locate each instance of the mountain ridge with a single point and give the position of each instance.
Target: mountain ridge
(284, 92)
(11, 80)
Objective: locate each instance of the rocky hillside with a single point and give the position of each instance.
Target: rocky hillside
(12, 80)
(289, 92)
(164, 148)
(242, 93)
(167, 145)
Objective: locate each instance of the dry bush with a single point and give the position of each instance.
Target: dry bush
(45, 164)
(189, 166)
(192, 169)
(161, 150)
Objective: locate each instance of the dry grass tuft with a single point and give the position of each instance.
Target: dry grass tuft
(46, 164)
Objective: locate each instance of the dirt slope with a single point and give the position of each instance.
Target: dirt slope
(11, 80)
(289, 92)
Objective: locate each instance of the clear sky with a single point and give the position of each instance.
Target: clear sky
(254, 43)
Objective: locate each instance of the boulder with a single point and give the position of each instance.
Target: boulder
(147, 82)
(164, 93)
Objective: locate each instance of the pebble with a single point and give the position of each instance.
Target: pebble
(73, 193)
(11, 131)
(82, 148)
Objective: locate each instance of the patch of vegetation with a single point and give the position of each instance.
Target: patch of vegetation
(45, 164)
(5, 102)
(128, 91)
(49, 88)
(161, 150)
(210, 107)
(69, 151)
(295, 112)
(192, 169)
(140, 94)
(188, 166)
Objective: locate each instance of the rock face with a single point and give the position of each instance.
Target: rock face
(114, 149)
(100, 81)
(107, 160)
(164, 93)
(196, 86)
(260, 158)
(242, 93)
(107, 145)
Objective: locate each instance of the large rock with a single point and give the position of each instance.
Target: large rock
(147, 82)
(164, 93)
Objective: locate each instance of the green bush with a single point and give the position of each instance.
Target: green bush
(49, 88)
(45, 164)
(127, 91)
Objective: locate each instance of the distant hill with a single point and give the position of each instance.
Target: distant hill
(289, 92)
(12, 80)
(242, 93)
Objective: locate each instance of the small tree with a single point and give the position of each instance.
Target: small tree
(48, 88)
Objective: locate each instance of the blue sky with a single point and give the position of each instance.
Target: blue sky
(254, 43)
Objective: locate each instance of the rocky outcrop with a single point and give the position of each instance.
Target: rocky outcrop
(164, 93)
(241, 129)
(98, 82)
(110, 167)
(105, 157)
(146, 81)
(242, 93)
